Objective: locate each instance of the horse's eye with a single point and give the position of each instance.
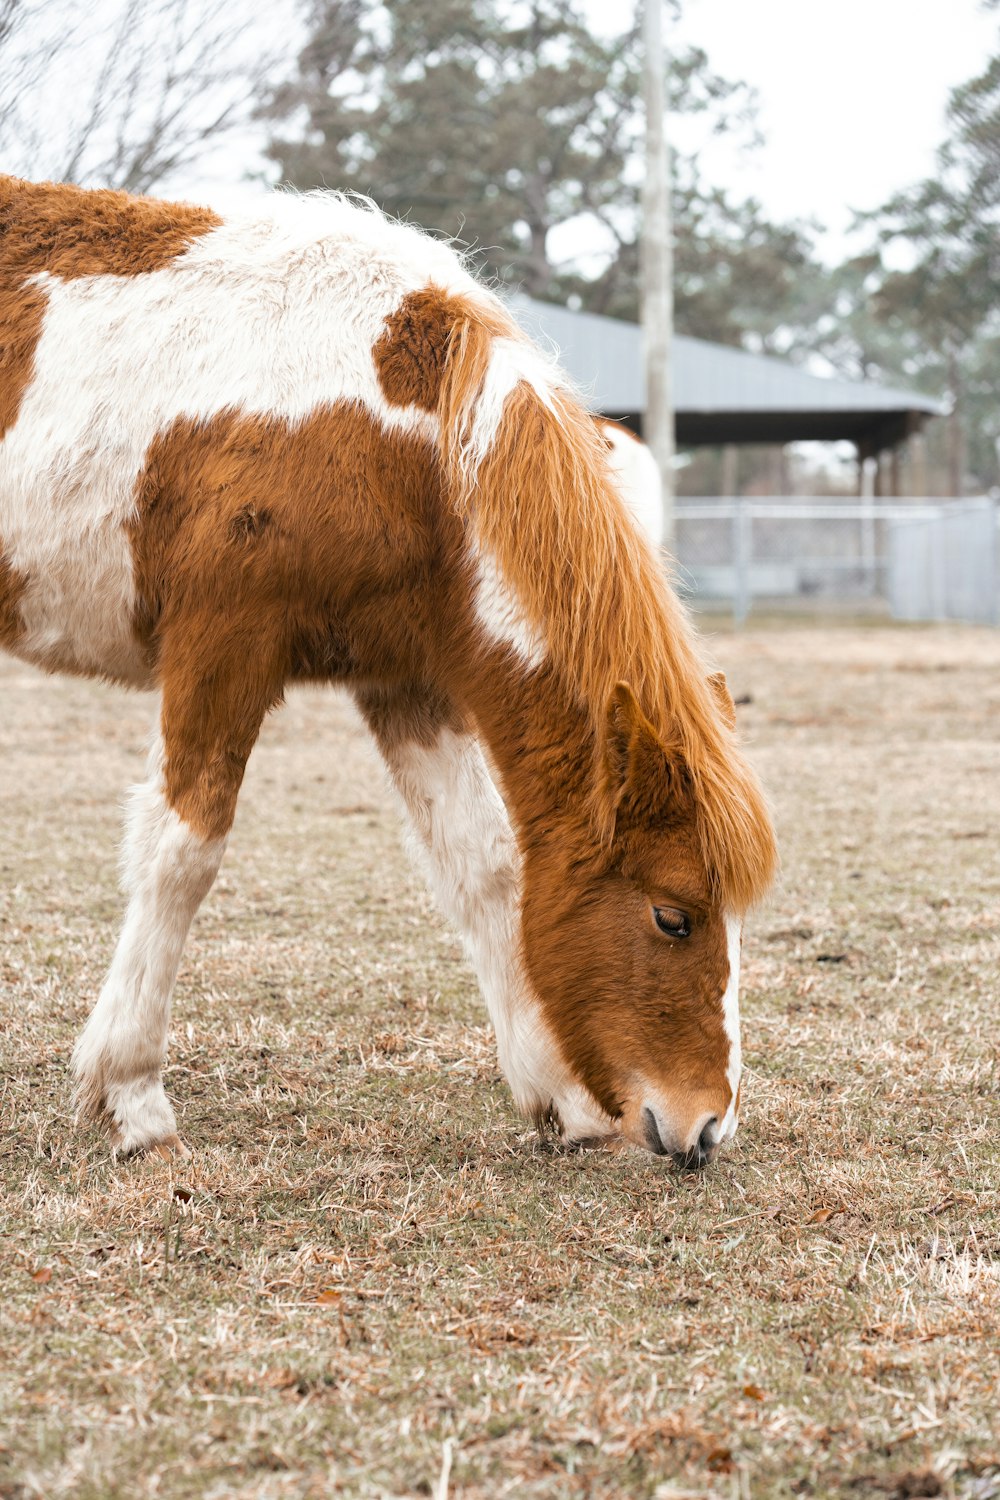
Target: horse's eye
(674, 923)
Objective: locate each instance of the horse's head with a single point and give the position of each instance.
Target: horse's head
(634, 959)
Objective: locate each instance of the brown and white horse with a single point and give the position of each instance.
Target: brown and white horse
(305, 445)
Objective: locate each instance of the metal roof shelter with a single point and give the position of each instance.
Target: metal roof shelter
(723, 395)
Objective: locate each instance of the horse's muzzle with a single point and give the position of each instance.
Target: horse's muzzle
(700, 1148)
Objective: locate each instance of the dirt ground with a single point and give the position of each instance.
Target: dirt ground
(373, 1279)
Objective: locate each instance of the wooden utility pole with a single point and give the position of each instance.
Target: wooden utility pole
(956, 429)
(657, 264)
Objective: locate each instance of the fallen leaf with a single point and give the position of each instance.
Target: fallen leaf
(42, 1275)
(329, 1297)
(822, 1214)
(754, 1392)
(279, 1380)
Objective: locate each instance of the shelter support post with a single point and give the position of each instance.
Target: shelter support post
(878, 477)
(919, 485)
(730, 470)
(779, 470)
(868, 479)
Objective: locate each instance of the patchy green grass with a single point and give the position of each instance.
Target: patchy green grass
(372, 1279)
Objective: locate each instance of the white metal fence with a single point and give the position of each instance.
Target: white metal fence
(947, 567)
(905, 559)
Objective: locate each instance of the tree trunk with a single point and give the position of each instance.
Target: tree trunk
(537, 271)
(917, 454)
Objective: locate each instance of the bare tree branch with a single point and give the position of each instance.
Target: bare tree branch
(151, 86)
(10, 10)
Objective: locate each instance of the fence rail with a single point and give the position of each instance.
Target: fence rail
(906, 559)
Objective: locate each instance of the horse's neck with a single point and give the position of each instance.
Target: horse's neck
(538, 740)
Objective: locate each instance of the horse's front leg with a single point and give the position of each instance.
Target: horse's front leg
(460, 833)
(177, 827)
(168, 868)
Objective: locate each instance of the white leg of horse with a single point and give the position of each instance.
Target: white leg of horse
(217, 687)
(461, 836)
(118, 1059)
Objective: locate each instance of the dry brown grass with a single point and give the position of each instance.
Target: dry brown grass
(372, 1270)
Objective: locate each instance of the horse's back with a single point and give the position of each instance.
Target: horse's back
(128, 326)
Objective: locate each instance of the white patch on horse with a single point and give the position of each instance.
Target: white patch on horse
(271, 314)
(167, 871)
(511, 361)
(731, 1018)
(500, 613)
(637, 478)
(461, 836)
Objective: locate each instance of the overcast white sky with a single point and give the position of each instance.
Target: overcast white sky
(851, 97)
(852, 93)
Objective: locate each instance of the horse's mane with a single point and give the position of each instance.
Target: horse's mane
(528, 469)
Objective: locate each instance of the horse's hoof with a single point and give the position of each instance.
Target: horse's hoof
(171, 1148)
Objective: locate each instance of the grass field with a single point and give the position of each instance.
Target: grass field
(373, 1279)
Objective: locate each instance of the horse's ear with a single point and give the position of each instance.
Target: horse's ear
(625, 719)
(637, 764)
(723, 697)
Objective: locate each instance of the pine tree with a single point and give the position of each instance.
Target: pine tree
(949, 226)
(498, 122)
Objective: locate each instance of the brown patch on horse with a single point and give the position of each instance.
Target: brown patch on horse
(12, 586)
(267, 551)
(409, 714)
(410, 355)
(22, 309)
(71, 232)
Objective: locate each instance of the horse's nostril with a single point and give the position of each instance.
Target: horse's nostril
(659, 1138)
